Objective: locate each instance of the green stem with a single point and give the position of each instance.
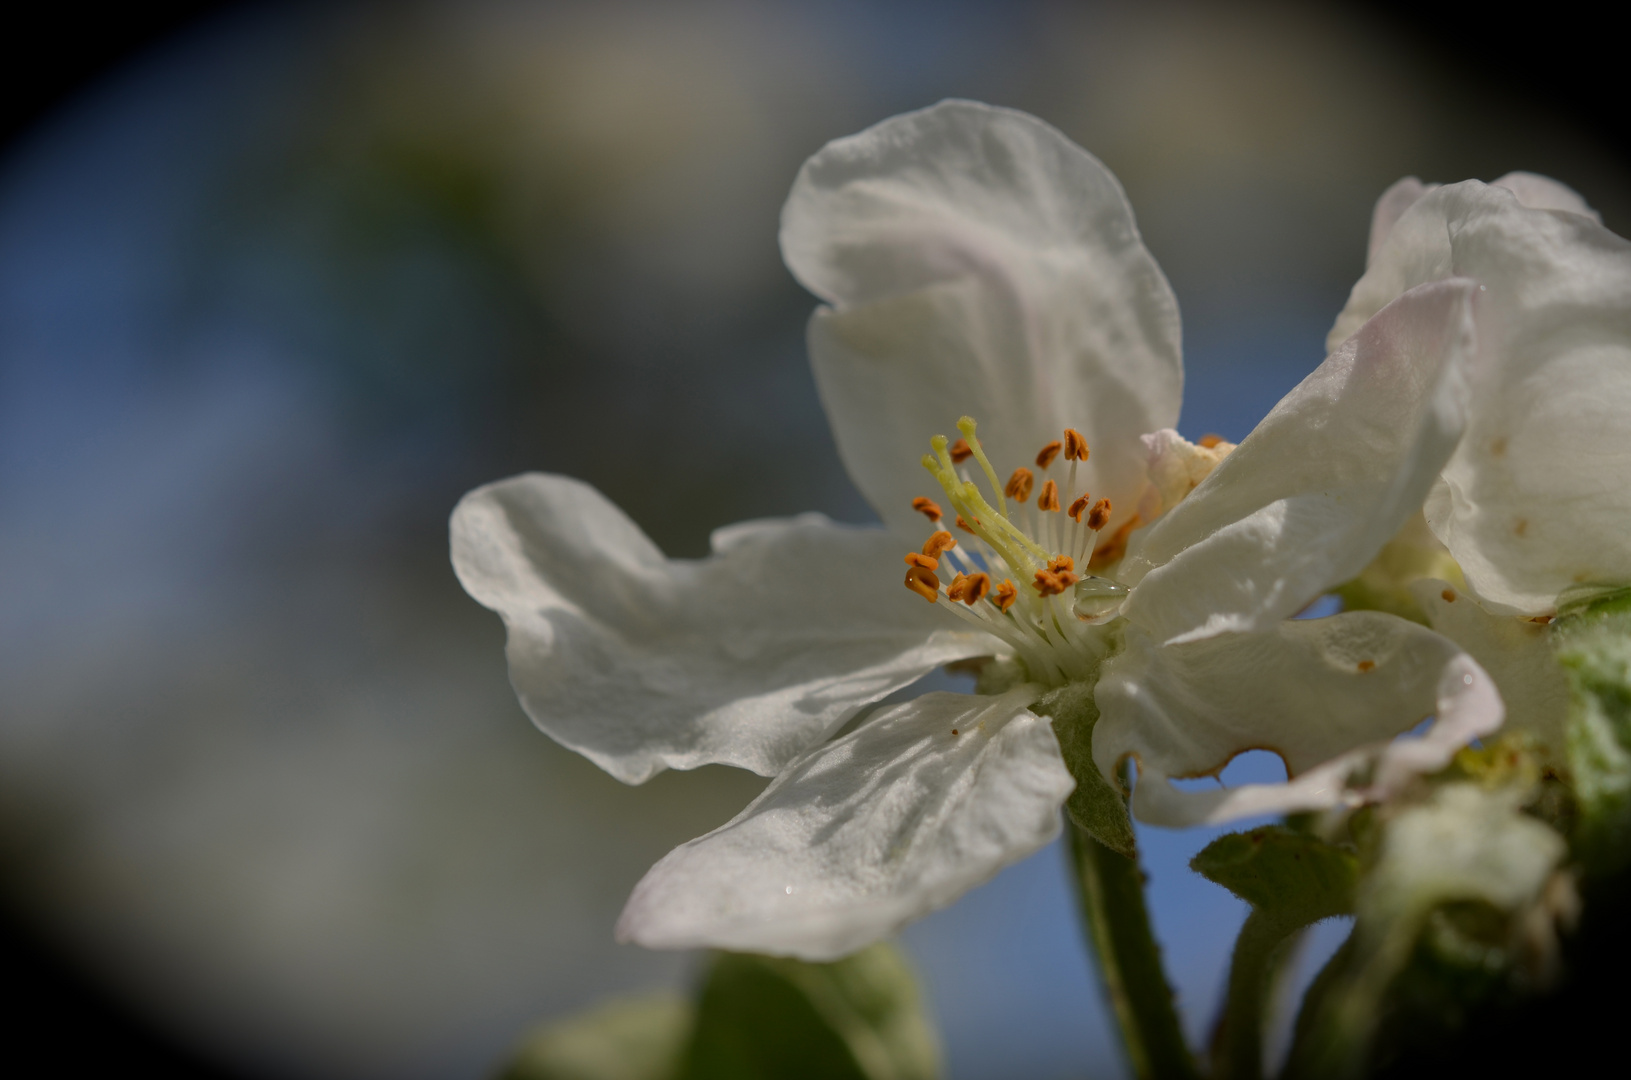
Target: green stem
(1237, 1047)
(1111, 890)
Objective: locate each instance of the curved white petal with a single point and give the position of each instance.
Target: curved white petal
(1515, 650)
(901, 816)
(642, 663)
(1324, 481)
(977, 262)
(1543, 193)
(1323, 694)
(1534, 500)
(1389, 209)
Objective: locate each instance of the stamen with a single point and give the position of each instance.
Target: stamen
(970, 588)
(1075, 445)
(1209, 441)
(1058, 563)
(925, 561)
(1078, 506)
(1045, 456)
(1054, 582)
(938, 542)
(923, 582)
(1100, 515)
(927, 507)
(1049, 499)
(1019, 485)
(965, 526)
(966, 425)
(960, 451)
(1005, 595)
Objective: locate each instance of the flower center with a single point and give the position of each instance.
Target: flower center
(1051, 617)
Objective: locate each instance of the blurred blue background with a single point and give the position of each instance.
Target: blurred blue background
(278, 288)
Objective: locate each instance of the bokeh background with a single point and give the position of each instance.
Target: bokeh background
(278, 283)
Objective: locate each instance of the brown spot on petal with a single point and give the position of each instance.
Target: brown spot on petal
(1521, 526)
(1367, 665)
(1497, 447)
(1449, 596)
(1045, 456)
(954, 731)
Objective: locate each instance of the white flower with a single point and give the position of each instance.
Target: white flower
(1535, 501)
(973, 261)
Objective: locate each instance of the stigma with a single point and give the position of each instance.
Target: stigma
(1020, 570)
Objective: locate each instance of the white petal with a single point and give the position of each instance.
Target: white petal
(1323, 694)
(1325, 480)
(1534, 500)
(1543, 193)
(979, 263)
(642, 663)
(1516, 651)
(859, 836)
(1389, 209)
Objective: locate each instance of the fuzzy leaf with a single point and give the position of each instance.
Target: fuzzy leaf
(1096, 806)
(859, 1018)
(1593, 639)
(1291, 877)
(629, 1039)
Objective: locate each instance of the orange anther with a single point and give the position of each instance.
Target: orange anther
(923, 582)
(1099, 516)
(1019, 485)
(1045, 456)
(1449, 596)
(1077, 507)
(1075, 445)
(960, 451)
(925, 561)
(927, 507)
(938, 542)
(1049, 499)
(965, 526)
(1367, 665)
(1005, 595)
(1210, 441)
(1054, 582)
(969, 588)
(1061, 562)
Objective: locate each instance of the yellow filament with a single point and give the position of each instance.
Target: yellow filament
(966, 426)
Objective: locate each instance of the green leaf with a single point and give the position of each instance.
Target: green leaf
(860, 1018)
(1593, 640)
(1095, 806)
(1290, 877)
(1292, 880)
(630, 1039)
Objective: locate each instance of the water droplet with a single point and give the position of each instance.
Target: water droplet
(1097, 595)
(789, 890)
